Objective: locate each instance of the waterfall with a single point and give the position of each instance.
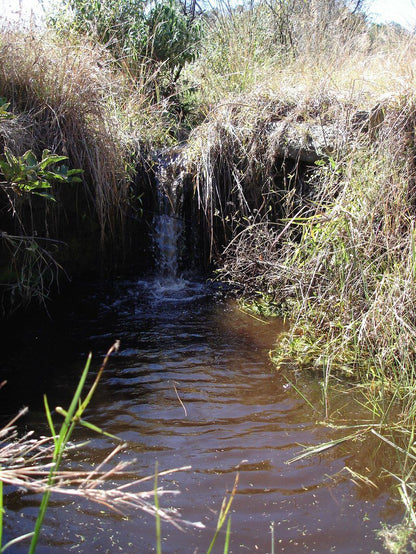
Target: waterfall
(168, 233)
(168, 225)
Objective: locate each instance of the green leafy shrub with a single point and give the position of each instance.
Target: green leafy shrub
(25, 174)
(135, 32)
(28, 270)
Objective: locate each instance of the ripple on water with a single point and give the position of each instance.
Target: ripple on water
(193, 385)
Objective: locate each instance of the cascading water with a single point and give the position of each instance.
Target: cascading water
(167, 224)
(168, 234)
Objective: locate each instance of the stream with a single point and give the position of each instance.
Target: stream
(192, 384)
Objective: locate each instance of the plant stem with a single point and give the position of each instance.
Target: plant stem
(158, 526)
(72, 417)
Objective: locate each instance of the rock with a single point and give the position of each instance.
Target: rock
(311, 141)
(301, 141)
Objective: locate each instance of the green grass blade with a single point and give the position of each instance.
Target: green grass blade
(214, 538)
(317, 449)
(392, 444)
(64, 435)
(87, 400)
(77, 396)
(87, 424)
(49, 418)
(300, 394)
(225, 508)
(227, 536)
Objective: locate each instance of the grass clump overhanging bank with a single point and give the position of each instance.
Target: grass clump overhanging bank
(323, 224)
(64, 96)
(341, 255)
(328, 242)
(98, 86)
(59, 100)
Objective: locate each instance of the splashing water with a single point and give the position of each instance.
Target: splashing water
(169, 285)
(166, 236)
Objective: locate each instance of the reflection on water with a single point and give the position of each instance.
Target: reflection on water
(193, 385)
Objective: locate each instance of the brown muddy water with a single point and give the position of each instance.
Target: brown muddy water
(235, 414)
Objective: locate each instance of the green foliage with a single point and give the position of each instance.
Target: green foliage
(72, 418)
(30, 269)
(175, 34)
(4, 110)
(25, 174)
(136, 30)
(262, 305)
(119, 24)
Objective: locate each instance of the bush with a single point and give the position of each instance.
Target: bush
(135, 32)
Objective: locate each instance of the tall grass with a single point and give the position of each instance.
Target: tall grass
(68, 95)
(331, 243)
(66, 90)
(274, 46)
(269, 71)
(335, 243)
(352, 272)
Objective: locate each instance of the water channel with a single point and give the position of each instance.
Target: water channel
(181, 340)
(192, 385)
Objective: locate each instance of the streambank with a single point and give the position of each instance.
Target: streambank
(243, 173)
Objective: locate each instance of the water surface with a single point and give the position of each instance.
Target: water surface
(192, 385)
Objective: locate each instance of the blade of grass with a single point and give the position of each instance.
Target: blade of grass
(16, 540)
(72, 417)
(225, 508)
(86, 424)
(49, 418)
(227, 536)
(389, 442)
(300, 393)
(408, 502)
(317, 449)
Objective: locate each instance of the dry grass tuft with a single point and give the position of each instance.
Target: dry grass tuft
(65, 92)
(25, 463)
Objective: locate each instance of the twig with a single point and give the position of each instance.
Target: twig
(181, 403)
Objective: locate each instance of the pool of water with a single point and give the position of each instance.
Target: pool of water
(192, 385)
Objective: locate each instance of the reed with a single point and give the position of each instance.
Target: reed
(35, 465)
